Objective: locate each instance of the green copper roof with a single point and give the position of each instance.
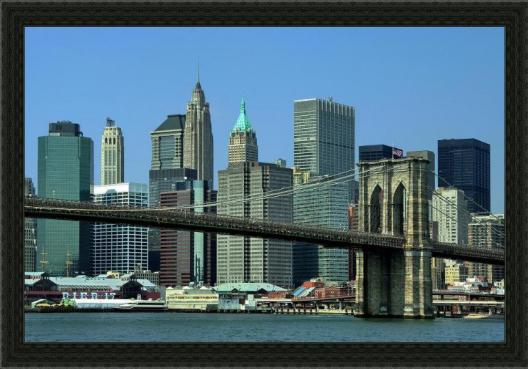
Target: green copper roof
(242, 123)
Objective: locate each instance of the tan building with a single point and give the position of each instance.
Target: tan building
(198, 137)
(243, 140)
(455, 273)
(112, 154)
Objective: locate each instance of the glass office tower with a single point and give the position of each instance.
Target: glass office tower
(324, 136)
(324, 143)
(465, 164)
(65, 171)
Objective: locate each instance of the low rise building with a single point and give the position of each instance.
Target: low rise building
(455, 273)
(191, 299)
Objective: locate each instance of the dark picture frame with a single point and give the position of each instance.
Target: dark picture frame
(513, 16)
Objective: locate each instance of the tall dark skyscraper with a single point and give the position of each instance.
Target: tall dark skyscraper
(465, 164)
(65, 171)
(377, 152)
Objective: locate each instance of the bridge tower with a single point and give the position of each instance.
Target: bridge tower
(393, 200)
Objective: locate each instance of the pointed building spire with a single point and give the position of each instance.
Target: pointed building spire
(243, 140)
(242, 123)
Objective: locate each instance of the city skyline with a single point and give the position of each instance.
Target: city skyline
(371, 126)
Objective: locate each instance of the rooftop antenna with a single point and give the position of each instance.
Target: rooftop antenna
(198, 69)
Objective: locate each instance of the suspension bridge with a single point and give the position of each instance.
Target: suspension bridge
(393, 245)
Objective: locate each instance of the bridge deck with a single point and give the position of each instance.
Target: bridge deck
(187, 220)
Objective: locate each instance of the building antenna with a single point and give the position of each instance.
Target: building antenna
(198, 69)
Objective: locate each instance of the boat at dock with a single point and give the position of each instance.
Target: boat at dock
(143, 305)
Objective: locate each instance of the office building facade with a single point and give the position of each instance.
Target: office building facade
(65, 171)
(198, 136)
(165, 172)
(324, 144)
(112, 154)
(465, 164)
(30, 232)
(324, 136)
(120, 247)
(248, 259)
(486, 231)
(188, 256)
(241, 188)
(378, 152)
(325, 206)
(450, 211)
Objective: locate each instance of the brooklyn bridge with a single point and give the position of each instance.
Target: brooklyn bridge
(393, 245)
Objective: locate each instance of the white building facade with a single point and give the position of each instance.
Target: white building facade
(118, 247)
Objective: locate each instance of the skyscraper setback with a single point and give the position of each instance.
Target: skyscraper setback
(112, 154)
(65, 171)
(241, 188)
(198, 137)
(243, 140)
(465, 164)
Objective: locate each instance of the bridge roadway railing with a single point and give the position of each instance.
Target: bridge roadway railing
(208, 222)
(476, 254)
(205, 222)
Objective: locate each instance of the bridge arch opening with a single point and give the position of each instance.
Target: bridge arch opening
(399, 210)
(376, 201)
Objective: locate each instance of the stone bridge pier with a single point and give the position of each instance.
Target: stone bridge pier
(393, 200)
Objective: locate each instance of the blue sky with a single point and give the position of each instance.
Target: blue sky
(409, 86)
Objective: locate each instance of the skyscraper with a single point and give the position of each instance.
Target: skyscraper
(243, 140)
(324, 136)
(324, 144)
(30, 232)
(165, 172)
(451, 214)
(249, 259)
(465, 164)
(120, 247)
(377, 152)
(325, 206)
(188, 256)
(112, 154)
(198, 137)
(65, 171)
(167, 143)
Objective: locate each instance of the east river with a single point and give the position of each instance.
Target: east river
(196, 327)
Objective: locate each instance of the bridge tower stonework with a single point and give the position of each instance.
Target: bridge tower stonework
(393, 200)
